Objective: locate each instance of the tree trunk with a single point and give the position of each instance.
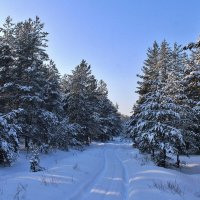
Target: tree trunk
(27, 143)
(177, 161)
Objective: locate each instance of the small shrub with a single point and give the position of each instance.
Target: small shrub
(35, 162)
(169, 186)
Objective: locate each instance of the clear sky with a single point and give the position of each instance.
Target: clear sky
(112, 35)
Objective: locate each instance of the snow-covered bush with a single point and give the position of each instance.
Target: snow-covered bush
(8, 141)
(35, 162)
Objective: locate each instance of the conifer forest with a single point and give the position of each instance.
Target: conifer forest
(63, 130)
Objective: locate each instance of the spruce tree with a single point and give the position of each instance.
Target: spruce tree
(175, 88)
(147, 84)
(162, 121)
(192, 91)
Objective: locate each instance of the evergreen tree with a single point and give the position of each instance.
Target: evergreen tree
(53, 94)
(29, 76)
(192, 91)
(51, 113)
(80, 89)
(146, 85)
(176, 91)
(7, 59)
(108, 119)
(9, 126)
(149, 77)
(9, 143)
(162, 121)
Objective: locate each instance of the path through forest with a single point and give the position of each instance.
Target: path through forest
(103, 171)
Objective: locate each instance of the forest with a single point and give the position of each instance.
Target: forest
(99, 100)
(40, 109)
(166, 117)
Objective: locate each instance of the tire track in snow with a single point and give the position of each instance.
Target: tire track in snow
(112, 184)
(111, 166)
(85, 188)
(97, 179)
(115, 175)
(125, 176)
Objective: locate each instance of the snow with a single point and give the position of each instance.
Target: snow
(7, 84)
(25, 88)
(108, 171)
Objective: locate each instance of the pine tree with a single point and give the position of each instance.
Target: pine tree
(108, 119)
(9, 126)
(87, 105)
(53, 94)
(29, 76)
(51, 112)
(80, 89)
(7, 65)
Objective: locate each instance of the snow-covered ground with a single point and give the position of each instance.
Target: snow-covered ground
(107, 171)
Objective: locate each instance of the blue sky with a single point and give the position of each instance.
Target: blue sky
(112, 35)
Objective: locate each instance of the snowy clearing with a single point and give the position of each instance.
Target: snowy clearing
(111, 170)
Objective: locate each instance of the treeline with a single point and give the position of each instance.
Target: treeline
(166, 117)
(39, 108)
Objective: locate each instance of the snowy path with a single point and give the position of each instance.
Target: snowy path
(110, 182)
(110, 171)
